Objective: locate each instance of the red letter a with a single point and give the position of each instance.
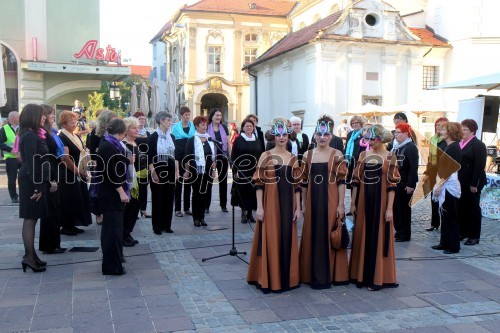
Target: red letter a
(88, 50)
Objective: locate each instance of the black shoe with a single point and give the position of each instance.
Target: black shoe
(123, 272)
(40, 262)
(471, 241)
(78, 230)
(134, 240)
(197, 223)
(203, 223)
(157, 232)
(250, 218)
(224, 209)
(450, 252)
(207, 211)
(169, 231)
(188, 212)
(35, 269)
(432, 229)
(399, 240)
(15, 200)
(68, 232)
(438, 247)
(145, 214)
(55, 251)
(128, 243)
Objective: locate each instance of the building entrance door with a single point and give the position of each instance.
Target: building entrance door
(213, 100)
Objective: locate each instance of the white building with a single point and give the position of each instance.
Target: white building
(159, 70)
(362, 53)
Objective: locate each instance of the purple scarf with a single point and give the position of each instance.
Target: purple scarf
(118, 145)
(223, 135)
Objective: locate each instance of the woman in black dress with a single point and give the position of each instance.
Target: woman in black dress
(245, 155)
(32, 188)
(142, 171)
(132, 207)
(472, 180)
(50, 237)
(219, 133)
(447, 192)
(199, 165)
(114, 193)
(164, 171)
(74, 194)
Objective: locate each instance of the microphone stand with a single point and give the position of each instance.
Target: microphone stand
(233, 251)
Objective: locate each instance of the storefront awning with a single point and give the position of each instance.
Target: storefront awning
(104, 72)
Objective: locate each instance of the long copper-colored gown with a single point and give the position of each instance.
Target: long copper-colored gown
(372, 262)
(320, 265)
(274, 260)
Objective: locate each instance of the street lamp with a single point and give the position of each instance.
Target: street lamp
(114, 91)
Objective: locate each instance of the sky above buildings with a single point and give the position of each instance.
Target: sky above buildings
(129, 25)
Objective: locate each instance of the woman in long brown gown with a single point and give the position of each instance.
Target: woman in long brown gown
(323, 189)
(372, 262)
(274, 260)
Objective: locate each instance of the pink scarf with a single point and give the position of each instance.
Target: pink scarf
(464, 143)
(223, 135)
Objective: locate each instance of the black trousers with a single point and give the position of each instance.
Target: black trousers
(50, 237)
(178, 190)
(450, 236)
(143, 193)
(112, 242)
(130, 217)
(162, 203)
(12, 166)
(435, 217)
(402, 214)
(470, 214)
(201, 185)
(222, 168)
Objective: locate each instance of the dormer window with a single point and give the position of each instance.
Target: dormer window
(252, 5)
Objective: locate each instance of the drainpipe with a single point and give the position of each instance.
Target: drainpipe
(256, 93)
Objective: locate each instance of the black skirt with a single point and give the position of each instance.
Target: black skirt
(28, 208)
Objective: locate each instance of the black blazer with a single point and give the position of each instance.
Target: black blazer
(260, 137)
(472, 164)
(189, 157)
(408, 165)
(33, 151)
(114, 175)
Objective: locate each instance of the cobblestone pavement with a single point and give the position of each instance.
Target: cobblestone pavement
(169, 288)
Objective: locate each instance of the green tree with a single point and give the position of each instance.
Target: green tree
(96, 102)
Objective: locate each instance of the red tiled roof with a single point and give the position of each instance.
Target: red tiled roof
(263, 7)
(140, 70)
(297, 39)
(166, 27)
(427, 36)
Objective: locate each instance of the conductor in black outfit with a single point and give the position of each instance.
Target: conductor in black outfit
(113, 195)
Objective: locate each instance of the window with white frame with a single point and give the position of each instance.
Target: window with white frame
(250, 55)
(430, 77)
(214, 59)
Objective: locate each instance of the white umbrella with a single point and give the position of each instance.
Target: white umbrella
(155, 97)
(368, 111)
(3, 88)
(488, 82)
(419, 108)
(144, 104)
(172, 94)
(133, 100)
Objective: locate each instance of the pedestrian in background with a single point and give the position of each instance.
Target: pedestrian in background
(142, 172)
(12, 164)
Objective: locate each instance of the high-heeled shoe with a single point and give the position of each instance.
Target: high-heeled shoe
(40, 262)
(145, 214)
(471, 241)
(432, 229)
(33, 268)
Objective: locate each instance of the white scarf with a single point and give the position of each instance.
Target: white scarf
(199, 152)
(244, 136)
(295, 148)
(165, 144)
(452, 185)
(143, 132)
(300, 137)
(397, 145)
(84, 159)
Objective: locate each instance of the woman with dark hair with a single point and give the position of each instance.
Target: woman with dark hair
(274, 260)
(199, 165)
(164, 169)
(472, 180)
(32, 187)
(436, 149)
(142, 171)
(407, 154)
(74, 193)
(219, 133)
(373, 261)
(114, 193)
(258, 131)
(246, 152)
(323, 188)
(447, 192)
(50, 237)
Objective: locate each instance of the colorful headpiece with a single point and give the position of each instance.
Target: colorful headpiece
(280, 128)
(324, 128)
(372, 135)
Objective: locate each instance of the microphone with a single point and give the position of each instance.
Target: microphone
(215, 141)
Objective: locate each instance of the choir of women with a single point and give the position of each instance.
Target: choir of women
(274, 260)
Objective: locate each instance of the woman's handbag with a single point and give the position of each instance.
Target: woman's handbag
(339, 236)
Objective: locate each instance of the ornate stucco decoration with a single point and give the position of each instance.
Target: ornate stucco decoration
(215, 85)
